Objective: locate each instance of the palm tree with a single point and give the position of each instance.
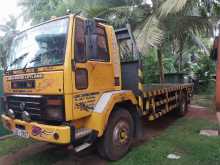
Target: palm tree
(174, 21)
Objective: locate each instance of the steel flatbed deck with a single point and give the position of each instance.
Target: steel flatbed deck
(155, 89)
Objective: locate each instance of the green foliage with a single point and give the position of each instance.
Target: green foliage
(168, 64)
(42, 10)
(204, 69)
(151, 66)
(206, 88)
(173, 20)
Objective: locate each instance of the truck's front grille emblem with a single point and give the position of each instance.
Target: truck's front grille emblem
(22, 106)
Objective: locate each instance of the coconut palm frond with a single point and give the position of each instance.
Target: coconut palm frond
(117, 16)
(178, 27)
(197, 40)
(182, 25)
(103, 11)
(151, 34)
(94, 11)
(171, 7)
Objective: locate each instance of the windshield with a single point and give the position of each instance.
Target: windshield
(43, 45)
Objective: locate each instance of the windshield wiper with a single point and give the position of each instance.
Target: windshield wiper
(18, 59)
(37, 58)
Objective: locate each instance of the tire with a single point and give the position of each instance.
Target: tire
(183, 106)
(118, 135)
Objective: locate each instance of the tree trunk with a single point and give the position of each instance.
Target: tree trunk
(180, 56)
(160, 62)
(180, 62)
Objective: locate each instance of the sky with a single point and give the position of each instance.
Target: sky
(147, 1)
(8, 7)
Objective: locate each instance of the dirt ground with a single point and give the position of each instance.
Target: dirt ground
(89, 156)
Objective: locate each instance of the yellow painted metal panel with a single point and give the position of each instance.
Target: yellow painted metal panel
(98, 121)
(48, 83)
(47, 131)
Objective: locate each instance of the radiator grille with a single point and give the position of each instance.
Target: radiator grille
(33, 105)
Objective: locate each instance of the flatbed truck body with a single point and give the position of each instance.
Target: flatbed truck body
(67, 85)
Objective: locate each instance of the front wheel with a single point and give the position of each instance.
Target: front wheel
(118, 136)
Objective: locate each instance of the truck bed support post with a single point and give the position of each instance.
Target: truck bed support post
(140, 85)
(218, 84)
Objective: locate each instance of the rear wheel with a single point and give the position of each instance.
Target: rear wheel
(118, 136)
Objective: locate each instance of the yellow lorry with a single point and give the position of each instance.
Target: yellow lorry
(65, 84)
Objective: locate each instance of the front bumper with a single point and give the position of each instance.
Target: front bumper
(47, 133)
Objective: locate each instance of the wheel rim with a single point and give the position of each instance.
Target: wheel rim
(121, 133)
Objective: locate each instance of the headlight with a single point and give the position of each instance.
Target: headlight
(26, 116)
(55, 109)
(54, 114)
(11, 113)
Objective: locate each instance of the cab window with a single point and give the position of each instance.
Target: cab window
(98, 50)
(101, 54)
(80, 51)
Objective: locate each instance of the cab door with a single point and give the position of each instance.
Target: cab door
(92, 67)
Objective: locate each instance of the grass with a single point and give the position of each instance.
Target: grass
(183, 139)
(3, 131)
(12, 145)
